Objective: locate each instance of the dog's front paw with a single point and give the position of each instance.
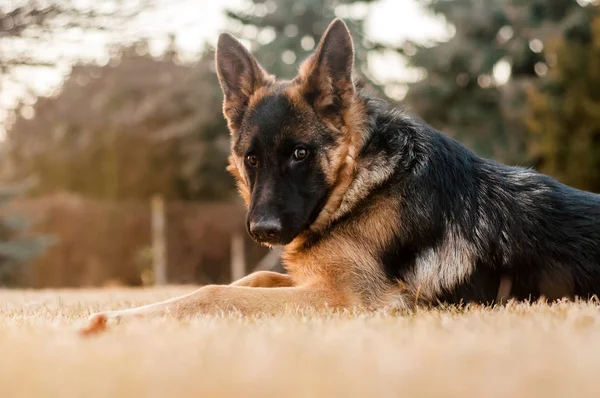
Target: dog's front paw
(96, 323)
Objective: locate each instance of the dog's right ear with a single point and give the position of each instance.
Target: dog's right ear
(240, 76)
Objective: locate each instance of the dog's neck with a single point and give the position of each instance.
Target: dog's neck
(356, 178)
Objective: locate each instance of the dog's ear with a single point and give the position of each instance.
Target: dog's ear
(240, 76)
(325, 77)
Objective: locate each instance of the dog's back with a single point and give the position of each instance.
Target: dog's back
(468, 223)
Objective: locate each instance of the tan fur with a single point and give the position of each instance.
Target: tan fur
(265, 279)
(236, 168)
(259, 293)
(259, 94)
(347, 258)
(368, 175)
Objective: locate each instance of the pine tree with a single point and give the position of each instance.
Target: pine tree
(564, 112)
(460, 94)
(282, 33)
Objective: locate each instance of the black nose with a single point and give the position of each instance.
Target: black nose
(266, 229)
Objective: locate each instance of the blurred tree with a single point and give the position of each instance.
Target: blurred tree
(192, 109)
(16, 246)
(282, 33)
(474, 84)
(29, 27)
(41, 39)
(137, 126)
(564, 111)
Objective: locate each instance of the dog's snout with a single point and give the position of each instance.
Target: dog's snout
(266, 229)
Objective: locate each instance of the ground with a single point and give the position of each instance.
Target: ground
(515, 351)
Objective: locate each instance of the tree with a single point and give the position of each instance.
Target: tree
(467, 92)
(282, 33)
(137, 126)
(564, 111)
(28, 27)
(192, 110)
(16, 246)
(39, 36)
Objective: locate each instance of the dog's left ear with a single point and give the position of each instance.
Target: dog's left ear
(325, 77)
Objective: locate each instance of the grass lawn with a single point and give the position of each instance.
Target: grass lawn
(515, 351)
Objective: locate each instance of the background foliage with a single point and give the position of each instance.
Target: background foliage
(518, 81)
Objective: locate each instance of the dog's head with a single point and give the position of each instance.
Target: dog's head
(292, 142)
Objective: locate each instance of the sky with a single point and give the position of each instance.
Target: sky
(198, 21)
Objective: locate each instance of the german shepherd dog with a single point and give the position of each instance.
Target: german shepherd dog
(375, 209)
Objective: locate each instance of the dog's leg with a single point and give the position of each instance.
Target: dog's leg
(214, 299)
(265, 279)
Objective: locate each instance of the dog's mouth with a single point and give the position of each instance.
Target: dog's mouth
(268, 233)
(271, 241)
(278, 228)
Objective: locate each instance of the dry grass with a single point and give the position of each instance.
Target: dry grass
(516, 351)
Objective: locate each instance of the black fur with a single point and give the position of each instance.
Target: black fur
(522, 224)
(283, 189)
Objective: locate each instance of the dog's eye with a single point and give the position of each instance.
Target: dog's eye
(300, 154)
(252, 160)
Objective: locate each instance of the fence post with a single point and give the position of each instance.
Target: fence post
(238, 260)
(159, 241)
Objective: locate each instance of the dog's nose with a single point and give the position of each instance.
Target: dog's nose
(266, 229)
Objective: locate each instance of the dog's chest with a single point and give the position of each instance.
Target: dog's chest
(345, 267)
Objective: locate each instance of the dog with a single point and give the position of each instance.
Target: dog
(377, 210)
